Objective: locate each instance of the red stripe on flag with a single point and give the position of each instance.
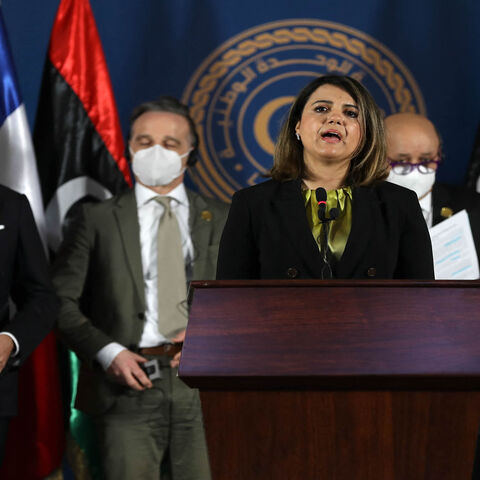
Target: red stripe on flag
(76, 52)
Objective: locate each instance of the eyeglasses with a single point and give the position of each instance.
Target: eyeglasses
(404, 168)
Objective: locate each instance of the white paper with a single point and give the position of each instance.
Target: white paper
(454, 254)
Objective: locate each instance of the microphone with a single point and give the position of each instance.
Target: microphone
(321, 195)
(334, 213)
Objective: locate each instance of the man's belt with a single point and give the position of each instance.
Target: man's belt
(168, 349)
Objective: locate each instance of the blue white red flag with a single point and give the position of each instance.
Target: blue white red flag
(17, 158)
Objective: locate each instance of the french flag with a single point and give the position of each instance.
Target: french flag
(19, 168)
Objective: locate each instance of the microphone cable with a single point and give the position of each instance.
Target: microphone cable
(321, 196)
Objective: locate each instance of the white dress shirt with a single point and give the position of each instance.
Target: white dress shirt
(149, 214)
(427, 208)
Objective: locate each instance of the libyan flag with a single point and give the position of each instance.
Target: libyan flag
(80, 154)
(77, 137)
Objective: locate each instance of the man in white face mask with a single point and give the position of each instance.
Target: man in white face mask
(124, 302)
(414, 153)
(414, 143)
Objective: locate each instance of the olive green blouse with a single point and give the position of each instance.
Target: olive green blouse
(340, 228)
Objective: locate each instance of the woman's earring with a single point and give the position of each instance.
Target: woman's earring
(298, 136)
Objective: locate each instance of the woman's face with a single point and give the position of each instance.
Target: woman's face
(329, 128)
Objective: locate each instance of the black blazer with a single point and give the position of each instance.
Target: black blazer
(23, 276)
(267, 235)
(457, 198)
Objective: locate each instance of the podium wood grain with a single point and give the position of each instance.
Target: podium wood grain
(337, 380)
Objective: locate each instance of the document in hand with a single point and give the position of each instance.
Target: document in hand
(454, 254)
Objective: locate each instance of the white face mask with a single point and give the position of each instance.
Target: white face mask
(420, 183)
(157, 166)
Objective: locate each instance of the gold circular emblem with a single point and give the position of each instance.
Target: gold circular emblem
(240, 94)
(446, 212)
(206, 215)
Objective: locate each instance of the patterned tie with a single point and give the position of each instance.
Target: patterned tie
(172, 294)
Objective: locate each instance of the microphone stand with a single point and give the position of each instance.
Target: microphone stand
(326, 269)
(321, 196)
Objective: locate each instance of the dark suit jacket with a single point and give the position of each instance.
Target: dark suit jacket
(24, 277)
(267, 235)
(457, 198)
(99, 278)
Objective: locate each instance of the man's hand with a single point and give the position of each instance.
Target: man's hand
(125, 369)
(178, 338)
(6, 348)
(175, 361)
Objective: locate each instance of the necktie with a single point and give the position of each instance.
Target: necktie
(172, 311)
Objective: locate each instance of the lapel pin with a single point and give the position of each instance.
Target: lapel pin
(206, 215)
(446, 212)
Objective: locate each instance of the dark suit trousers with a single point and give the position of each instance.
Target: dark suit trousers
(154, 434)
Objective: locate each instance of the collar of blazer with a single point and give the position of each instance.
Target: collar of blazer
(127, 221)
(200, 230)
(440, 198)
(365, 212)
(289, 208)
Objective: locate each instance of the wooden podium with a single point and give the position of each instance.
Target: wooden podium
(336, 379)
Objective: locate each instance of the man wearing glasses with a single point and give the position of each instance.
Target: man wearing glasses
(414, 153)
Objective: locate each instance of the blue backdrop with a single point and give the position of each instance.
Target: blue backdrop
(239, 62)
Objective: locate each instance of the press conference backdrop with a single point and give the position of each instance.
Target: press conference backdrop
(239, 64)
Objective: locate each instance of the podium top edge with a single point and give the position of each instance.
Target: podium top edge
(197, 284)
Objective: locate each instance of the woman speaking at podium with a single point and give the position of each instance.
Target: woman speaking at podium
(327, 212)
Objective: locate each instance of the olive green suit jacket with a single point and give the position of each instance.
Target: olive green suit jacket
(99, 278)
